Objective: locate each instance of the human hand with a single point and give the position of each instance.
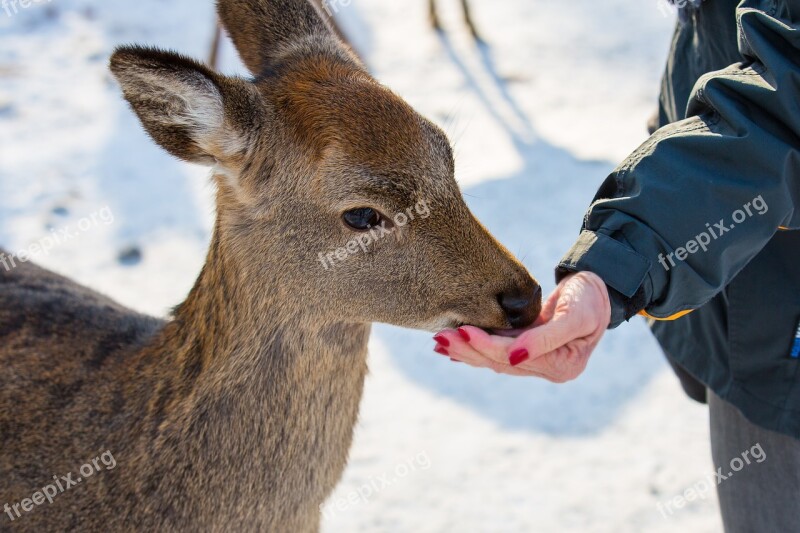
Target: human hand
(558, 345)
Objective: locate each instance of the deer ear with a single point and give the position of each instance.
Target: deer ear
(264, 30)
(191, 111)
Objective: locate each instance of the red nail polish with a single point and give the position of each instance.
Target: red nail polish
(518, 357)
(441, 350)
(464, 334)
(441, 339)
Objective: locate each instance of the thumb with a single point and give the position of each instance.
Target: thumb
(549, 308)
(554, 334)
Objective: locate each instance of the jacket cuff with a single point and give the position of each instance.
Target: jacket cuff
(622, 269)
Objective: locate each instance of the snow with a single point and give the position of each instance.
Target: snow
(539, 118)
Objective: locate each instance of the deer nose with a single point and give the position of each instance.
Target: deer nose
(521, 306)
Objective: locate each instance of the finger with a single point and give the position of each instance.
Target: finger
(509, 370)
(548, 308)
(493, 347)
(458, 349)
(448, 338)
(451, 344)
(550, 336)
(565, 363)
(478, 360)
(554, 366)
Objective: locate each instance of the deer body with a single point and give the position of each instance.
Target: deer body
(268, 400)
(237, 413)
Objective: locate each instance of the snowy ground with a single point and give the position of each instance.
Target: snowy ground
(539, 118)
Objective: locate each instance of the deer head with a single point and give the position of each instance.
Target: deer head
(333, 193)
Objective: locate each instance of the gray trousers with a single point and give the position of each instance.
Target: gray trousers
(763, 493)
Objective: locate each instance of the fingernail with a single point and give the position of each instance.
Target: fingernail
(464, 334)
(441, 339)
(441, 350)
(518, 357)
(455, 360)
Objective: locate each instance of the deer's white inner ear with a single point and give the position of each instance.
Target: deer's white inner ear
(201, 111)
(189, 101)
(186, 108)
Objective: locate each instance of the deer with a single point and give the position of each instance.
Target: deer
(237, 411)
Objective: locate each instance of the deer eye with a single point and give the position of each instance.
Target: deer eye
(362, 219)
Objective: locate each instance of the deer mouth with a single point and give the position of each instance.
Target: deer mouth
(511, 333)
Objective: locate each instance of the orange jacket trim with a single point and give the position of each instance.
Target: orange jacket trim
(676, 316)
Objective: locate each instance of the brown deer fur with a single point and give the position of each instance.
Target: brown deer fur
(325, 13)
(326, 9)
(237, 413)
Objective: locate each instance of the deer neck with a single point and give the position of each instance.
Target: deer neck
(262, 385)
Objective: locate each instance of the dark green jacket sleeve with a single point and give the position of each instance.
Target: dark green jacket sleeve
(675, 223)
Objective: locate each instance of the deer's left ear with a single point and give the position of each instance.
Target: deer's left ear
(191, 111)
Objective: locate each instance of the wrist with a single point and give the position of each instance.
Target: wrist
(600, 289)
